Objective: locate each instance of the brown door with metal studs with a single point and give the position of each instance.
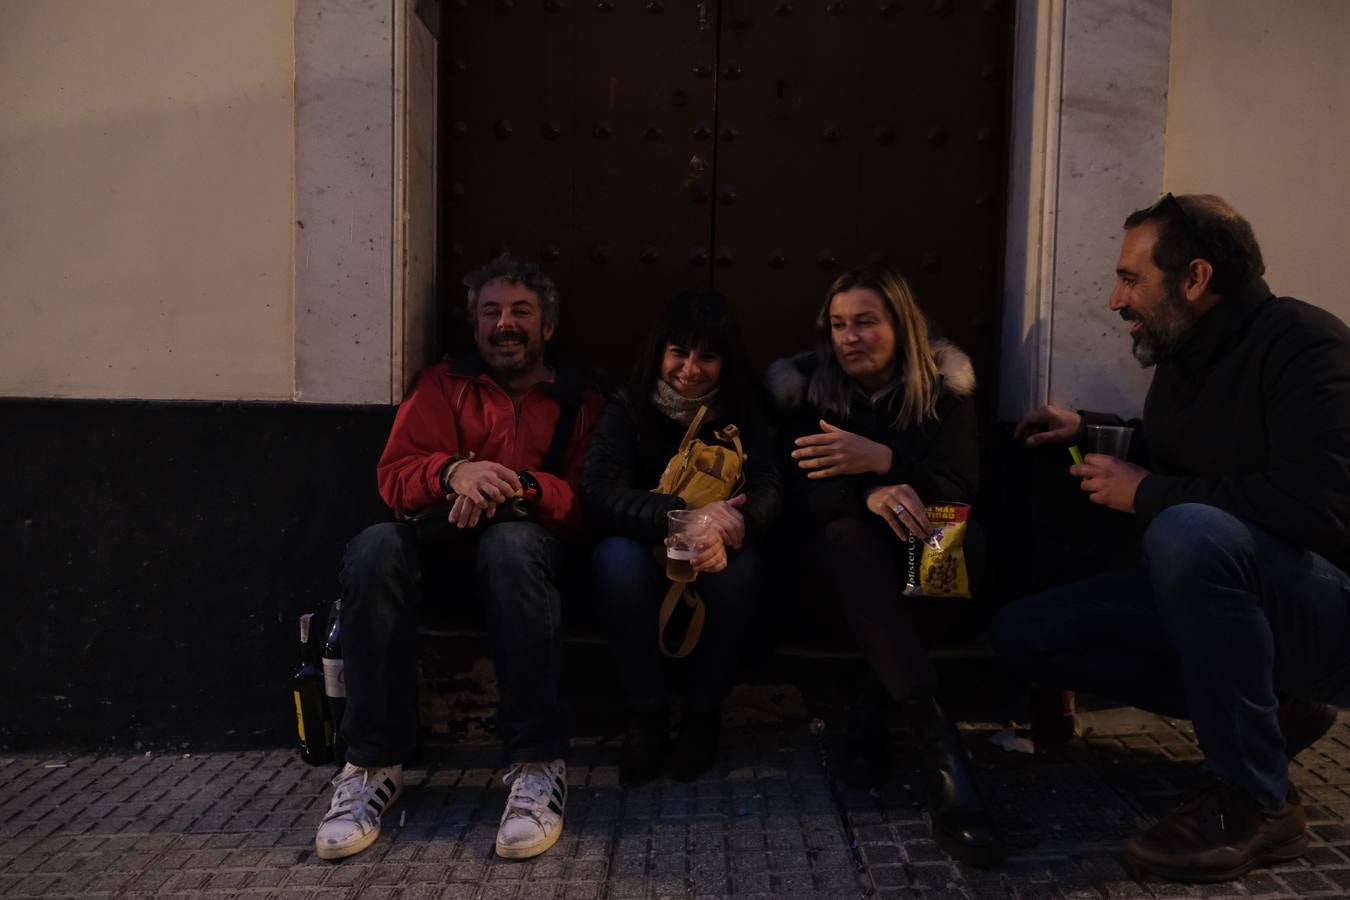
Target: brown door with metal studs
(758, 146)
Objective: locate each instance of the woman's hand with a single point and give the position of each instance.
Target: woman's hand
(835, 451)
(902, 509)
(727, 520)
(710, 554)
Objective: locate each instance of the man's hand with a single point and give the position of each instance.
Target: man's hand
(834, 451)
(464, 513)
(902, 509)
(727, 520)
(1049, 424)
(484, 482)
(480, 486)
(1109, 481)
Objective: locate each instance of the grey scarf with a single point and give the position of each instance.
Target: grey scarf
(681, 409)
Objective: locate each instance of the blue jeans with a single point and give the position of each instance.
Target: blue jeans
(1220, 620)
(513, 568)
(629, 584)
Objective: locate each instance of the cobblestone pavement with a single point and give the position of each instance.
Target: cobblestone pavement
(768, 824)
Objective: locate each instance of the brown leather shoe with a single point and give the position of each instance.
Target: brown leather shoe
(1218, 834)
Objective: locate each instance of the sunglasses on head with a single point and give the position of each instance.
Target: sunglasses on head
(1166, 202)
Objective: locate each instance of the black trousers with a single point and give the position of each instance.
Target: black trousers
(855, 570)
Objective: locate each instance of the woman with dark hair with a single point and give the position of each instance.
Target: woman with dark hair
(693, 357)
(882, 422)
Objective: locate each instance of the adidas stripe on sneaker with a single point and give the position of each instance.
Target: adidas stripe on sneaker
(533, 816)
(353, 820)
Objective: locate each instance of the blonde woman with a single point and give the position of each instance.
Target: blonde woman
(880, 422)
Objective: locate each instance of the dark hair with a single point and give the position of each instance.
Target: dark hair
(916, 371)
(507, 268)
(699, 319)
(1202, 226)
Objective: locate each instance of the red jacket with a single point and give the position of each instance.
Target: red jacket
(457, 409)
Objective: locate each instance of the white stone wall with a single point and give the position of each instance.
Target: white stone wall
(1259, 113)
(146, 199)
(1089, 110)
(344, 169)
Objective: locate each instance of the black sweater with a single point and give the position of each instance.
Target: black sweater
(940, 459)
(1252, 416)
(629, 451)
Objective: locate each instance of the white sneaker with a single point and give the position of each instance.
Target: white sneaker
(533, 817)
(353, 820)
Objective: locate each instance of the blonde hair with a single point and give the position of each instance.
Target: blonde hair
(916, 368)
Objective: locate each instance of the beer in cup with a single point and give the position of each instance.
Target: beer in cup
(686, 528)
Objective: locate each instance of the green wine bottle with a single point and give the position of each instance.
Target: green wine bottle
(311, 719)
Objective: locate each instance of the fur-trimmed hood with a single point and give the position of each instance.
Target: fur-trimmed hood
(788, 377)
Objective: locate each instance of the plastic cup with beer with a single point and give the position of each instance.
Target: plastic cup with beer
(686, 528)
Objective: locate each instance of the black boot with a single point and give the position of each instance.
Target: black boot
(644, 744)
(696, 745)
(962, 825)
(866, 761)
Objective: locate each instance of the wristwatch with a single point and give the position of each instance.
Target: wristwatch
(529, 487)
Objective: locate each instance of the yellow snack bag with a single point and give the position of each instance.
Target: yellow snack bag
(937, 567)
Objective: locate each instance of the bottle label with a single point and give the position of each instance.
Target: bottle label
(300, 718)
(334, 678)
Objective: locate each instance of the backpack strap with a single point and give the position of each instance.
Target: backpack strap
(567, 390)
(695, 630)
(730, 434)
(692, 432)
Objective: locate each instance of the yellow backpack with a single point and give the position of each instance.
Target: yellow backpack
(699, 474)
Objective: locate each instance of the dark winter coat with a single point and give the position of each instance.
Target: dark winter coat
(1252, 416)
(940, 458)
(629, 450)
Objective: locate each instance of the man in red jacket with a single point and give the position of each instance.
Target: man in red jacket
(500, 438)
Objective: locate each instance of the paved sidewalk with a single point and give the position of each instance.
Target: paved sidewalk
(770, 823)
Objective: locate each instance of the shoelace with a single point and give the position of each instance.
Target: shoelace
(531, 787)
(352, 796)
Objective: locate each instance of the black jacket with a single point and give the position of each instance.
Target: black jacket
(940, 459)
(629, 450)
(1252, 416)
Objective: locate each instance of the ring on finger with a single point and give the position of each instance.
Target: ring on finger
(900, 509)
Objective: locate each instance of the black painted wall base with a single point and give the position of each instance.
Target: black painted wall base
(154, 558)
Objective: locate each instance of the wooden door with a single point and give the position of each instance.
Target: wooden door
(852, 130)
(580, 135)
(758, 146)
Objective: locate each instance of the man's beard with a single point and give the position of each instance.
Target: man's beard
(1163, 330)
(529, 352)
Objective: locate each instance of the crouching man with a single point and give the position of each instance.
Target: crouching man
(1238, 616)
